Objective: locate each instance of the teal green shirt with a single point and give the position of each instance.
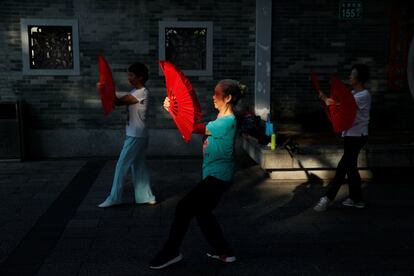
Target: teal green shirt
(218, 148)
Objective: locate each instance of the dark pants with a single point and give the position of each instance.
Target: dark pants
(348, 166)
(199, 203)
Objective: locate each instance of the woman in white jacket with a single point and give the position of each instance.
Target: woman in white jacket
(354, 139)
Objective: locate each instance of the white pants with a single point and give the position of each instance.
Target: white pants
(132, 158)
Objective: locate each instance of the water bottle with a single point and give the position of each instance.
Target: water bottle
(273, 141)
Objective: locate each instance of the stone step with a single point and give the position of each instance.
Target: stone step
(299, 161)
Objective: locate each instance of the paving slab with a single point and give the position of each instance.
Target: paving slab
(270, 223)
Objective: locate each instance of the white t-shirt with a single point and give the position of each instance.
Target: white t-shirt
(137, 113)
(360, 125)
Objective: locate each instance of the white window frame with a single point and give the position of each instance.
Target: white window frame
(25, 22)
(188, 24)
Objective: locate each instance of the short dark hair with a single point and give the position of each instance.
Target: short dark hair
(363, 72)
(140, 70)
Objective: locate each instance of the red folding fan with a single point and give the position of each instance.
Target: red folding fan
(184, 106)
(317, 87)
(315, 82)
(342, 115)
(107, 93)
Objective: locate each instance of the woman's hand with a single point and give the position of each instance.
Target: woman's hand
(167, 103)
(330, 101)
(322, 96)
(326, 100)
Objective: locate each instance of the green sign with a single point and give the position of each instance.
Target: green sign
(350, 10)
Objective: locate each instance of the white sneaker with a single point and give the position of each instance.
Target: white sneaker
(349, 202)
(322, 205)
(151, 202)
(164, 259)
(108, 203)
(224, 258)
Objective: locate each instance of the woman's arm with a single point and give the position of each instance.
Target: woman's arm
(200, 128)
(125, 100)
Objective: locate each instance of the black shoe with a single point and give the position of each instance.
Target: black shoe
(164, 259)
(357, 204)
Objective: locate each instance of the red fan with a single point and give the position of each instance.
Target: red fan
(184, 106)
(108, 92)
(315, 82)
(342, 115)
(317, 87)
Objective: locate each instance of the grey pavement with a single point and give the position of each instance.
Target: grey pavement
(50, 224)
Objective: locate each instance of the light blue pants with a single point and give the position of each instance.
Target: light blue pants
(132, 158)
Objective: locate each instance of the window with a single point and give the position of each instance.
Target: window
(188, 45)
(50, 47)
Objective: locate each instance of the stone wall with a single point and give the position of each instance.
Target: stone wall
(65, 114)
(308, 35)
(65, 111)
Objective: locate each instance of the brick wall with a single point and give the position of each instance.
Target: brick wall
(66, 118)
(307, 35)
(125, 31)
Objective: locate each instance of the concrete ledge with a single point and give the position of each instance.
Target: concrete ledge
(106, 142)
(321, 160)
(307, 174)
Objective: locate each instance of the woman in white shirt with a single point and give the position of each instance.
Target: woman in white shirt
(132, 156)
(354, 139)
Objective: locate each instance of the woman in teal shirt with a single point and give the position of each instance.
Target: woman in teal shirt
(218, 171)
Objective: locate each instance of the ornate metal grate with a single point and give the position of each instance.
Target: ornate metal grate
(186, 47)
(50, 47)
